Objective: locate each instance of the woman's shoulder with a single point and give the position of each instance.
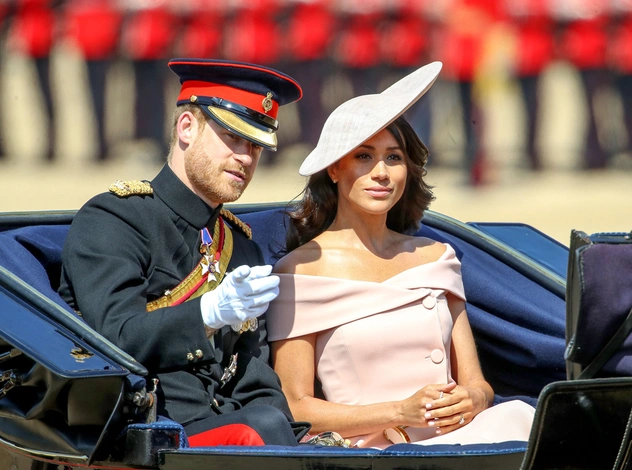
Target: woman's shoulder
(315, 257)
(427, 249)
(300, 260)
(424, 242)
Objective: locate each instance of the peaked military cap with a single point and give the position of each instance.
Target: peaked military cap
(241, 97)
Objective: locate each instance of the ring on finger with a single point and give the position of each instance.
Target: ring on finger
(462, 420)
(440, 394)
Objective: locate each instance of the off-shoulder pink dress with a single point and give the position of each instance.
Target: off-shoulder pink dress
(379, 342)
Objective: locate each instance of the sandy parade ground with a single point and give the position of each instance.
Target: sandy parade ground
(554, 202)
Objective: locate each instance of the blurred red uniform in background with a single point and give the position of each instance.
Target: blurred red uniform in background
(201, 34)
(149, 31)
(358, 49)
(33, 34)
(4, 11)
(534, 51)
(461, 45)
(94, 27)
(404, 47)
(34, 27)
(620, 60)
(253, 33)
(307, 47)
(583, 43)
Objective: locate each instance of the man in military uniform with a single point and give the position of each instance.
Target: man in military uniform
(172, 278)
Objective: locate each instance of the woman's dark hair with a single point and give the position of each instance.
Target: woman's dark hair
(315, 212)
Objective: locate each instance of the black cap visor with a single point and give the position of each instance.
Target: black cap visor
(245, 122)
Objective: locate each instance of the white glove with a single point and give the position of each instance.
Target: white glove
(245, 293)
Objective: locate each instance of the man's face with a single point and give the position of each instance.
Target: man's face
(220, 164)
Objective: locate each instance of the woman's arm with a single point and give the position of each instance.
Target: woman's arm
(473, 393)
(466, 368)
(293, 361)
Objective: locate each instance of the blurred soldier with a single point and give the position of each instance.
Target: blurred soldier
(254, 35)
(405, 46)
(201, 32)
(583, 43)
(357, 48)
(534, 50)
(620, 60)
(94, 28)
(462, 44)
(149, 30)
(163, 271)
(5, 9)
(309, 34)
(33, 34)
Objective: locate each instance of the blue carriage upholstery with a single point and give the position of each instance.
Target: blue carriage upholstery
(34, 255)
(518, 325)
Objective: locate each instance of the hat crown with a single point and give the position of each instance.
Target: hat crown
(253, 78)
(360, 118)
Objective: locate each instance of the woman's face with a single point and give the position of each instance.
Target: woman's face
(373, 176)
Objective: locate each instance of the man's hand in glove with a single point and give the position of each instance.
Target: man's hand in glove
(244, 293)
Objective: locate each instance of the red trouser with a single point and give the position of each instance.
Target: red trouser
(229, 435)
(251, 426)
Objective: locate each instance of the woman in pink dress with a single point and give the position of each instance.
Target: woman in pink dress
(371, 314)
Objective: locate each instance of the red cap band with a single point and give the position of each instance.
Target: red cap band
(242, 97)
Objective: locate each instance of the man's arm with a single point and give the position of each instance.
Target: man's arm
(105, 276)
(255, 381)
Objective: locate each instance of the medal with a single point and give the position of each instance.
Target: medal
(207, 241)
(210, 266)
(208, 272)
(210, 263)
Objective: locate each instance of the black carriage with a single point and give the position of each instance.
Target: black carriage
(71, 399)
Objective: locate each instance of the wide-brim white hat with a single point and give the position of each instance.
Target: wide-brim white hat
(357, 120)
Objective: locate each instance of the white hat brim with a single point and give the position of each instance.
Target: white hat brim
(357, 120)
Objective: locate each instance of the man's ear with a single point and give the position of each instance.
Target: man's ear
(187, 128)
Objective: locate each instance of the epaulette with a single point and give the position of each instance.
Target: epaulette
(236, 223)
(131, 188)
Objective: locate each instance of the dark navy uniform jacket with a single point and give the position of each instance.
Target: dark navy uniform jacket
(123, 252)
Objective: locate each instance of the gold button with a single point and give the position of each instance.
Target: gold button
(190, 356)
(193, 98)
(199, 354)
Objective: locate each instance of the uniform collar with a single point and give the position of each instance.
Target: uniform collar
(181, 200)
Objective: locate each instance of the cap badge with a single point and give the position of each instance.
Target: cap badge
(267, 102)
